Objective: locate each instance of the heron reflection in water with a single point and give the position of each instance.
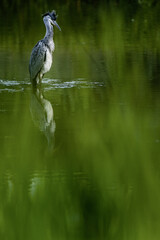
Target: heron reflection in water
(43, 115)
(41, 56)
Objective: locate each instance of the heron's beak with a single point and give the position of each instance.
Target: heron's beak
(56, 24)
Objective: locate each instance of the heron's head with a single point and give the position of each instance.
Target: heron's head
(51, 17)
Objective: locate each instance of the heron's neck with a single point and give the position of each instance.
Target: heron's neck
(49, 33)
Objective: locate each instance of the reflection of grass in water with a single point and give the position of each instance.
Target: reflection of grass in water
(102, 179)
(121, 152)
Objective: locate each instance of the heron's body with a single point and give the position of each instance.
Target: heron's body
(41, 56)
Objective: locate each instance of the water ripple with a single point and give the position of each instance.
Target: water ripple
(13, 82)
(48, 84)
(13, 85)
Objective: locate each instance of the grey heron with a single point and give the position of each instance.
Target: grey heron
(41, 56)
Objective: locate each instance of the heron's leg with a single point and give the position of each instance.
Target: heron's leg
(38, 79)
(41, 76)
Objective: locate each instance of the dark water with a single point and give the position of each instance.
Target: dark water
(79, 157)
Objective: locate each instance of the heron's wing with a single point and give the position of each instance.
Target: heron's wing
(37, 59)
